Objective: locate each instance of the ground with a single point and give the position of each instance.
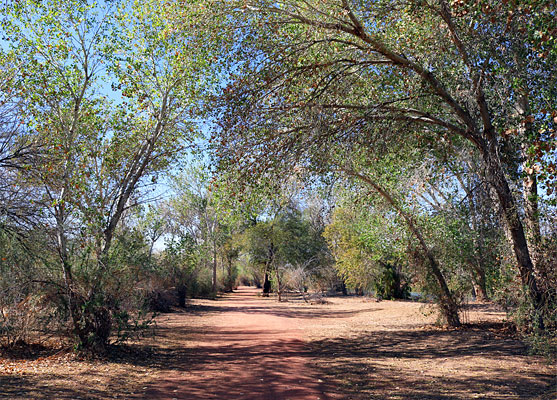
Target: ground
(243, 346)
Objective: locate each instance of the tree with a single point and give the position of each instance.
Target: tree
(17, 150)
(194, 212)
(98, 155)
(454, 190)
(282, 239)
(392, 178)
(363, 237)
(154, 224)
(345, 72)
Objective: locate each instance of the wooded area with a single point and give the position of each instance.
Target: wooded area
(157, 151)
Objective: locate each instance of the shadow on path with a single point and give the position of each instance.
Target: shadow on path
(245, 347)
(387, 362)
(251, 348)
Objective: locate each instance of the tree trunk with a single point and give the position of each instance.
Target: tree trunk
(229, 282)
(279, 291)
(531, 212)
(214, 277)
(447, 303)
(266, 285)
(78, 313)
(509, 208)
(181, 291)
(480, 286)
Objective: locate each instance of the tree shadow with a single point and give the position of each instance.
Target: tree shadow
(57, 387)
(380, 363)
(305, 312)
(365, 367)
(243, 370)
(28, 351)
(252, 363)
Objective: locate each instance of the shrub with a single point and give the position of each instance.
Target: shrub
(391, 283)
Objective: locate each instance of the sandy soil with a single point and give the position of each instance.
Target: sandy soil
(243, 346)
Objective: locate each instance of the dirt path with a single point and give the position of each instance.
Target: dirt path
(244, 347)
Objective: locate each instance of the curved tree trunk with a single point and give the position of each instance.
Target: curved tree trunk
(532, 218)
(447, 303)
(509, 208)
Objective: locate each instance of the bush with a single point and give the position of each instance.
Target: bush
(18, 320)
(391, 283)
(26, 308)
(160, 301)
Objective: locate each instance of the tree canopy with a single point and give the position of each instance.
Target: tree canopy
(151, 149)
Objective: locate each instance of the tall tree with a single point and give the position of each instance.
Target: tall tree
(320, 74)
(98, 153)
(194, 212)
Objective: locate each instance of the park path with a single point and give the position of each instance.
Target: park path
(241, 346)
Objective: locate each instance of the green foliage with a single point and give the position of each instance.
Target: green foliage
(179, 267)
(367, 243)
(96, 152)
(390, 284)
(337, 85)
(285, 242)
(436, 122)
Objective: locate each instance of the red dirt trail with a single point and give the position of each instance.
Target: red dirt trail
(243, 346)
(250, 349)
